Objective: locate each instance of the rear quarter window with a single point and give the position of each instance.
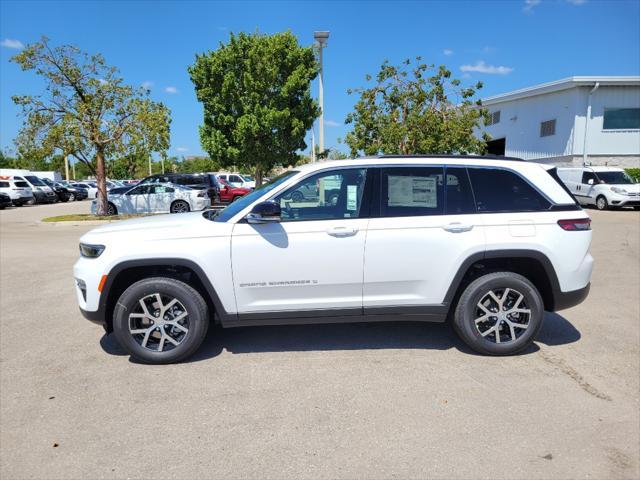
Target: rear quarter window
(500, 191)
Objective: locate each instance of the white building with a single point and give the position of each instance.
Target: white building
(546, 122)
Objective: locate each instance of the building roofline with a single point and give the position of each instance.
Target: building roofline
(562, 84)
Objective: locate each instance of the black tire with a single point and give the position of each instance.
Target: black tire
(297, 196)
(111, 209)
(601, 203)
(198, 318)
(179, 206)
(467, 311)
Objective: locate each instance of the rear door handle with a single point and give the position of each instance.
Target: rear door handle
(342, 231)
(457, 227)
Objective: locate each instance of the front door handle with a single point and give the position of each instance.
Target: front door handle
(342, 231)
(457, 227)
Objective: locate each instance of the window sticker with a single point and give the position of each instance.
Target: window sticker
(406, 191)
(352, 197)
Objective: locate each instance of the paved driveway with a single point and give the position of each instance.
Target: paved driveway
(338, 401)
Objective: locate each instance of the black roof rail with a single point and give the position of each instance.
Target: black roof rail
(450, 155)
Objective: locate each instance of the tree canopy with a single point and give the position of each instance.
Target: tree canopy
(86, 111)
(415, 109)
(257, 100)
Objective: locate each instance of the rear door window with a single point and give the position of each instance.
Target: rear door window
(498, 190)
(4, 184)
(411, 191)
(458, 193)
(21, 184)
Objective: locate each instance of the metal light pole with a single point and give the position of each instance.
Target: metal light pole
(321, 43)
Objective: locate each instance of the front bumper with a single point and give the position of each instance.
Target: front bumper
(45, 197)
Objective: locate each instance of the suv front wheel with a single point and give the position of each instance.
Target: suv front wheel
(160, 320)
(499, 314)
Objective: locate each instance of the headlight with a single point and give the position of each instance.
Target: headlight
(91, 251)
(618, 190)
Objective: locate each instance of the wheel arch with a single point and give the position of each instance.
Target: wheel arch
(126, 273)
(532, 264)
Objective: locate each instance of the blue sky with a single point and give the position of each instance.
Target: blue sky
(506, 44)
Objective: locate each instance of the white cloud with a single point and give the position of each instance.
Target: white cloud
(11, 43)
(332, 123)
(529, 4)
(577, 2)
(447, 52)
(171, 90)
(102, 81)
(182, 149)
(481, 67)
(147, 84)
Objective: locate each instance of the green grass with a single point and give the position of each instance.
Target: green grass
(82, 217)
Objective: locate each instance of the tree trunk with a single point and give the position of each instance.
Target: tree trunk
(101, 197)
(258, 176)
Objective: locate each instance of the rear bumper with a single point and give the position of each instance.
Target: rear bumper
(564, 300)
(95, 317)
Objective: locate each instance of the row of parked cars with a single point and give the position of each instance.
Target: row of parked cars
(177, 193)
(156, 193)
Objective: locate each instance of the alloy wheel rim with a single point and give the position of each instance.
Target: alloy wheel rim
(180, 207)
(601, 203)
(502, 315)
(159, 322)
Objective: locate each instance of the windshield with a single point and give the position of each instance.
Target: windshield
(35, 181)
(615, 178)
(247, 200)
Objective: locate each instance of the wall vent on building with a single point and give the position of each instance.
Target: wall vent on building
(494, 117)
(548, 128)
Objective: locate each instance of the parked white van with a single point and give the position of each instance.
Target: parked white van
(604, 187)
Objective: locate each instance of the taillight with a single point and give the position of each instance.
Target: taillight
(577, 224)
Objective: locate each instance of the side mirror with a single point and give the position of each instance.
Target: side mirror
(264, 212)
(590, 181)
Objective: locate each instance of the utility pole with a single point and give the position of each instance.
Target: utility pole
(66, 167)
(321, 43)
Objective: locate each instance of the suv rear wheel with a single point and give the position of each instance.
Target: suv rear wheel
(499, 314)
(160, 320)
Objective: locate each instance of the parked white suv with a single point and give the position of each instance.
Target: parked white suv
(604, 187)
(19, 191)
(489, 244)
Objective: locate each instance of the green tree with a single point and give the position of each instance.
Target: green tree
(86, 111)
(197, 165)
(257, 100)
(415, 109)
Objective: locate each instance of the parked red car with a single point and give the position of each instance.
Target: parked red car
(229, 193)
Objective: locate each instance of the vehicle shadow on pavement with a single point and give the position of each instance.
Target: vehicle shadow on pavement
(556, 330)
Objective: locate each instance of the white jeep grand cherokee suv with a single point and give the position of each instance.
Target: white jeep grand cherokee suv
(488, 243)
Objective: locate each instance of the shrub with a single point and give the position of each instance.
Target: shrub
(633, 173)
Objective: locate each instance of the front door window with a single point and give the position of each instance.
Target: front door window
(332, 195)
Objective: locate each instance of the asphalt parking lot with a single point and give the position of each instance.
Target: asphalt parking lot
(335, 401)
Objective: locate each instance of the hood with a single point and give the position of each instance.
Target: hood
(157, 228)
